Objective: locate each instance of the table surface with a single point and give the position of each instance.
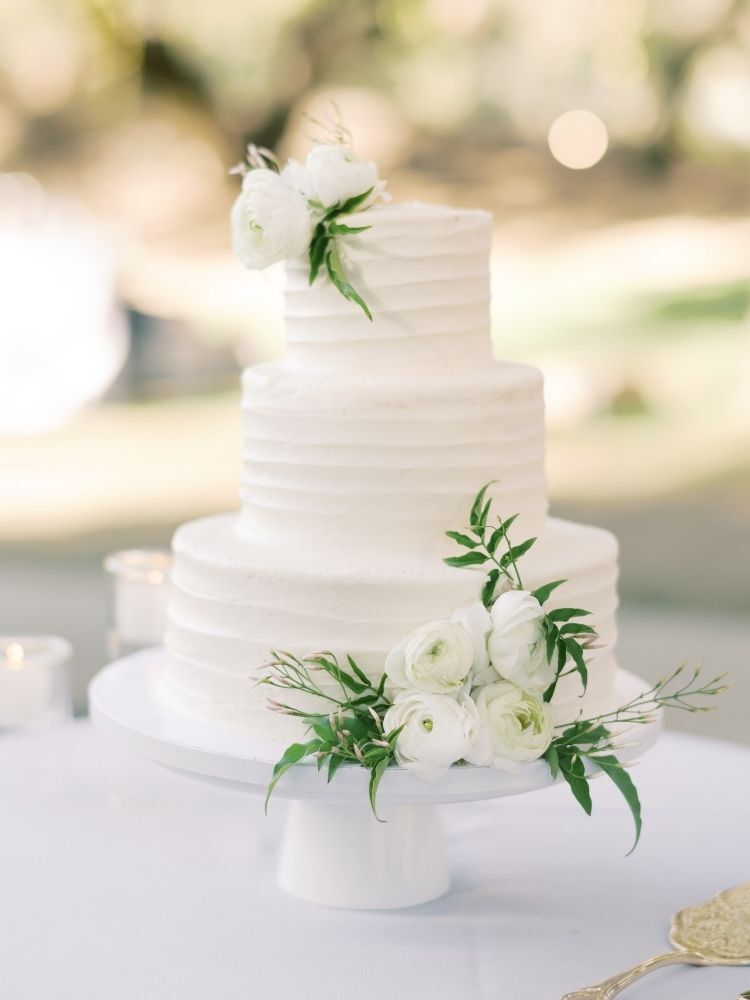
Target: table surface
(120, 880)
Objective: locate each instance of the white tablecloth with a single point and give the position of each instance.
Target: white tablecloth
(123, 881)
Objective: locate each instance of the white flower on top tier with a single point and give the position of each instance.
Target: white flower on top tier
(516, 644)
(438, 730)
(332, 174)
(436, 658)
(516, 727)
(270, 220)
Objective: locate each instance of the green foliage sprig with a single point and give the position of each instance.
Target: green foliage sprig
(565, 638)
(324, 250)
(590, 745)
(352, 730)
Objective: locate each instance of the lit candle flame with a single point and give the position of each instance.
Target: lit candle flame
(14, 655)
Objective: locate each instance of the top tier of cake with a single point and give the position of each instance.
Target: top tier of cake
(424, 273)
(371, 437)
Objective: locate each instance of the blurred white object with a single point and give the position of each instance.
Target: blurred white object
(63, 337)
(34, 686)
(141, 592)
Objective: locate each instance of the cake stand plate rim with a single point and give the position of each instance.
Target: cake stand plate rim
(124, 705)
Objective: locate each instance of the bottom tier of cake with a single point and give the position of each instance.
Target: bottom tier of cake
(235, 600)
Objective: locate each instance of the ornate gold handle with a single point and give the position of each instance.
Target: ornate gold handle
(611, 987)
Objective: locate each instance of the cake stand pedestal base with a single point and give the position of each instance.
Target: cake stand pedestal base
(340, 855)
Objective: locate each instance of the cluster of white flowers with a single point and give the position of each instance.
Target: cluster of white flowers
(471, 688)
(275, 213)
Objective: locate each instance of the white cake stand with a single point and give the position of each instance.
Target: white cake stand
(334, 851)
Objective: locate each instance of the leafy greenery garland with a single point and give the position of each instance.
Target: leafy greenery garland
(352, 731)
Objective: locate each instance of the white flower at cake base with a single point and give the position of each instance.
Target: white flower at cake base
(438, 730)
(516, 727)
(516, 644)
(270, 220)
(332, 174)
(436, 658)
(476, 621)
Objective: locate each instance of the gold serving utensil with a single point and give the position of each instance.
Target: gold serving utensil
(716, 932)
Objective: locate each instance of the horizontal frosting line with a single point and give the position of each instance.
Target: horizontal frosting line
(518, 462)
(380, 333)
(392, 260)
(450, 495)
(480, 275)
(378, 309)
(426, 453)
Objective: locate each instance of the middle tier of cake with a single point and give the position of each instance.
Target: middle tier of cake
(235, 600)
(381, 469)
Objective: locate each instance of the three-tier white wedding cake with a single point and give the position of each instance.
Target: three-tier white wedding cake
(362, 446)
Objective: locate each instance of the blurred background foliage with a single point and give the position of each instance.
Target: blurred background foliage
(611, 139)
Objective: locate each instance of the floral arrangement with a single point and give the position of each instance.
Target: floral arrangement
(298, 209)
(473, 690)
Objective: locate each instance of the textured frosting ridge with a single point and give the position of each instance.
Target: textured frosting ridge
(362, 446)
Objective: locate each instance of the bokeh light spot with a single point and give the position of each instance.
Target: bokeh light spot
(578, 139)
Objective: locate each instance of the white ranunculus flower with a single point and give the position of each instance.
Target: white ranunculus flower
(334, 173)
(270, 220)
(299, 177)
(516, 727)
(437, 658)
(475, 620)
(438, 730)
(516, 644)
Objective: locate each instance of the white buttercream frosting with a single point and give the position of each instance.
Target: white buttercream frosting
(362, 447)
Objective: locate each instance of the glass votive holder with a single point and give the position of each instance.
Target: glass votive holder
(34, 684)
(140, 593)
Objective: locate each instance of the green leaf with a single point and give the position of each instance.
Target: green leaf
(584, 734)
(576, 628)
(323, 729)
(339, 229)
(565, 614)
(488, 590)
(614, 770)
(476, 507)
(376, 775)
(494, 540)
(345, 207)
(574, 772)
(334, 763)
(468, 543)
(550, 692)
(484, 514)
(291, 756)
(515, 552)
(542, 593)
(336, 274)
(318, 247)
(562, 654)
(576, 654)
(553, 759)
(550, 639)
(499, 533)
(357, 672)
(467, 559)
